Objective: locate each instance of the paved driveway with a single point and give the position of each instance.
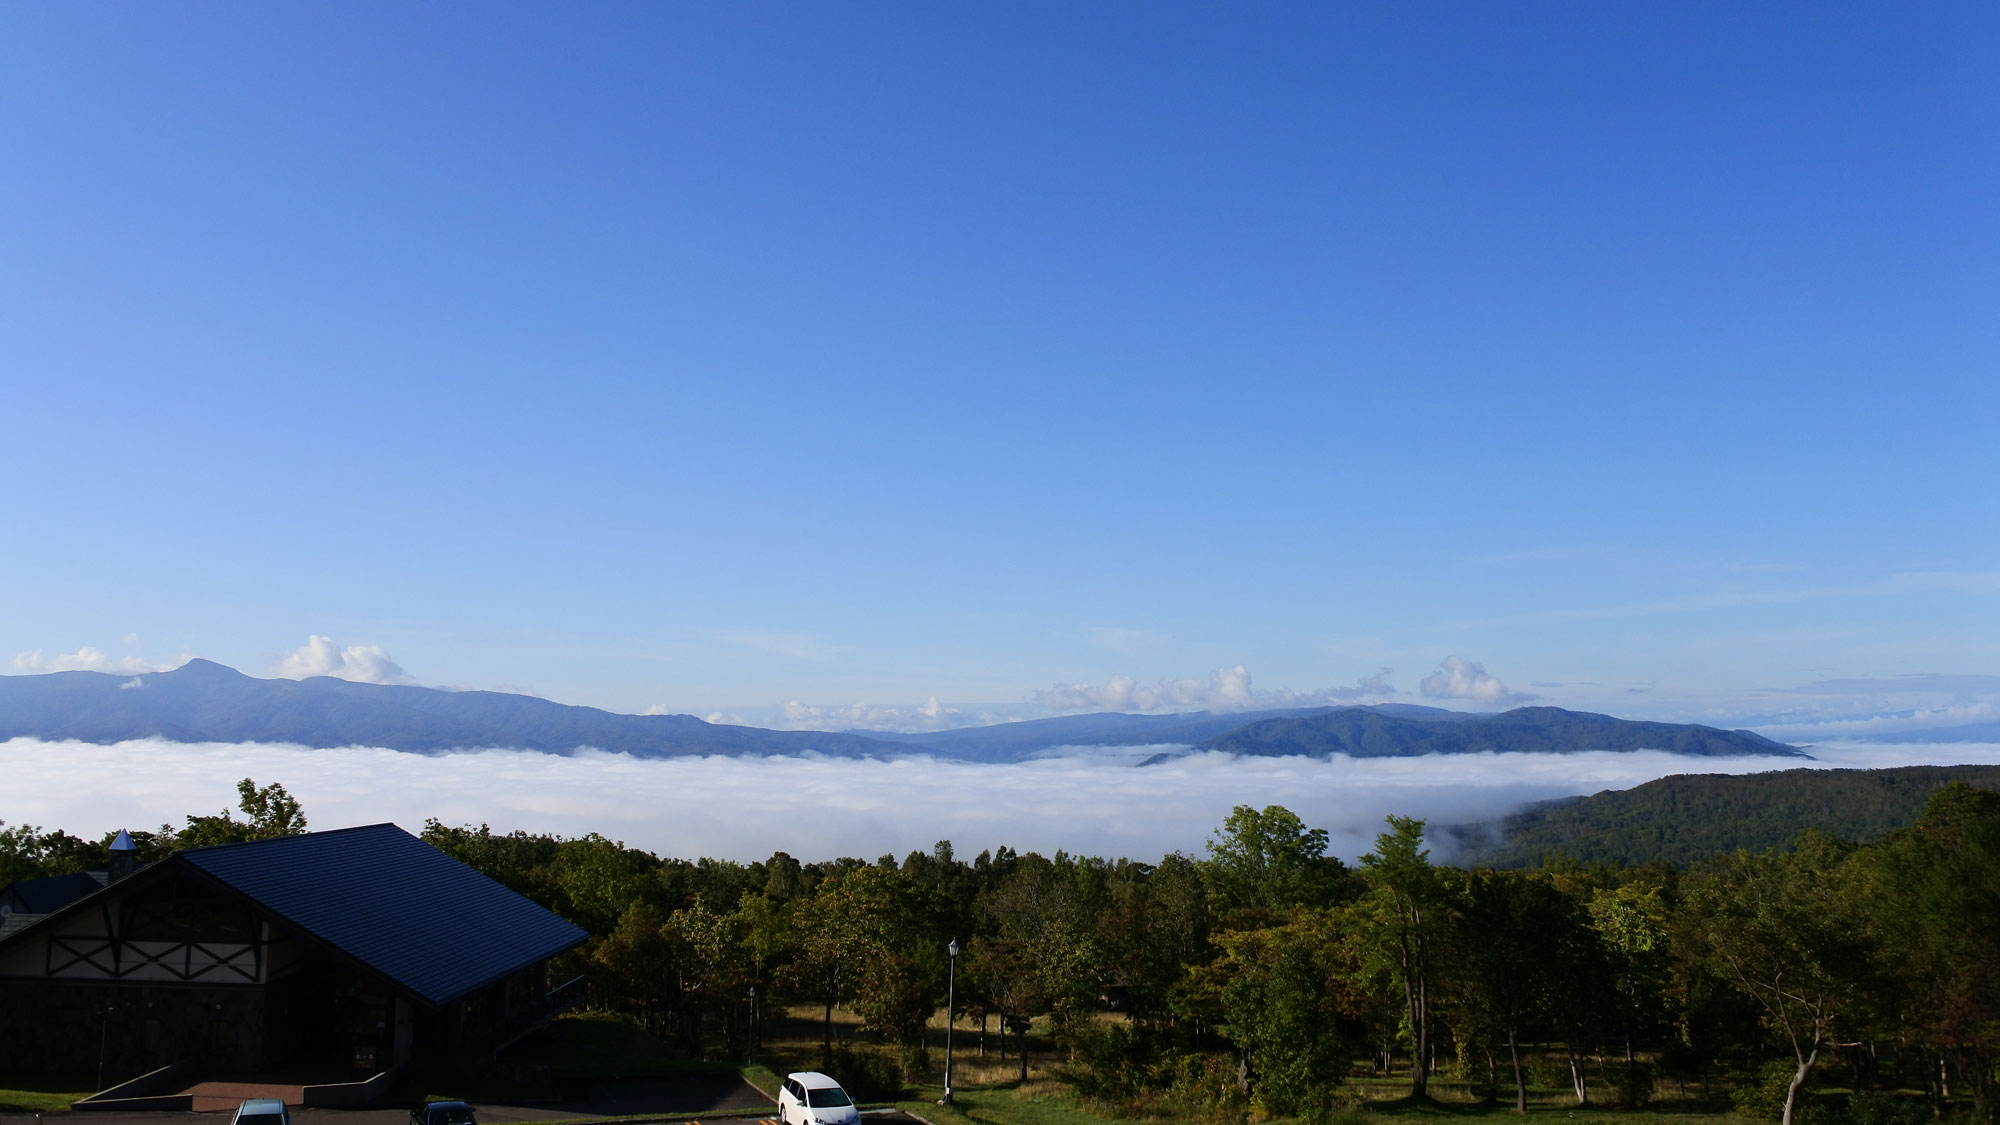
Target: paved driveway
(586, 1097)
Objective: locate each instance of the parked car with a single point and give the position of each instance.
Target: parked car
(443, 1113)
(261, 1111)
(809, 1097)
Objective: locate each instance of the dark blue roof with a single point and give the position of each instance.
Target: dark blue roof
(394, 903)
(51, 893)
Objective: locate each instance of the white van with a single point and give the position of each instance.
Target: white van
(809, 1097)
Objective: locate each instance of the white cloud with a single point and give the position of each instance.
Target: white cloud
(1468, 679)
(87, 659)
(134, 682)
(364, 664)
(819, 808)
(931, 715)
(1225, 689)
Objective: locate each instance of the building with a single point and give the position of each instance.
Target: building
(344, 953)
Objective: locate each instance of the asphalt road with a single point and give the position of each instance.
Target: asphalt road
(723, 1094)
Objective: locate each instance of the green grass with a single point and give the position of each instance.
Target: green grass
(1378, 1099)
(1003, 1106)
(45, 1093)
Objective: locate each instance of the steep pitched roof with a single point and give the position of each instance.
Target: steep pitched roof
(397, 905)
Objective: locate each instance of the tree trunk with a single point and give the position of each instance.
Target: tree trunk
(826, 1039)
(1576, 1076)
(1520, 1082)
(1799, 1077)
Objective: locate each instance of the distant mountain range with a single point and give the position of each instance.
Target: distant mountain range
(202, 701)
(1368, 733)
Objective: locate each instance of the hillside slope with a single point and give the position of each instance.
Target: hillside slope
(1363, 733)
(1681, 819)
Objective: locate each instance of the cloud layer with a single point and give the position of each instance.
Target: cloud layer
(746, 808)
(364, 664)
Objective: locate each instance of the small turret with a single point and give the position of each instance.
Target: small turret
(124, 856)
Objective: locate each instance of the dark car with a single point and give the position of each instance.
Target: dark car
(443, 1113)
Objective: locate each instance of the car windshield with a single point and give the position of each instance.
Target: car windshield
(453, 1115)
(830, 1097)
(260, 1119)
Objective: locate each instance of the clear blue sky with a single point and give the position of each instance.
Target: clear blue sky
(716, 355)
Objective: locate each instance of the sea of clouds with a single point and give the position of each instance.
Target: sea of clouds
(1092, 801)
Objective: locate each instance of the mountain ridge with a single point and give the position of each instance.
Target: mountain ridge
(203, 701)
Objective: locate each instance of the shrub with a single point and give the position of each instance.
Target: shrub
(869, 1075)
(1760, 1093)
(1547, 1072)
(1203, 1087)
(1633, 1084)
(1883, 1109)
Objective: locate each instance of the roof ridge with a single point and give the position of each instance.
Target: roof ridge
(296, 835)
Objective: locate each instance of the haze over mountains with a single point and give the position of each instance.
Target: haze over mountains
(206, 702)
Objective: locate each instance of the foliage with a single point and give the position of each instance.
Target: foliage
(1249, 983)
(1684, 819)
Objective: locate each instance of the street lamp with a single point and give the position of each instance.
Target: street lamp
(950, 1005)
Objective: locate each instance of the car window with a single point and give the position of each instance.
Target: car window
(260, 1119)
(456, 1115)
(829, 1098)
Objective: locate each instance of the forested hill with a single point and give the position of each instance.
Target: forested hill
(1681, 819)
(1363, 733)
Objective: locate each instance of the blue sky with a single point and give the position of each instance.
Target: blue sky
(710, 357)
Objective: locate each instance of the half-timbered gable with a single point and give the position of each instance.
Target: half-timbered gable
(343, 951)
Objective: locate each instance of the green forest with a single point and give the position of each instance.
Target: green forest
(1830, 982)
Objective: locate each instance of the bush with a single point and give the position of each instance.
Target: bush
(1760, 1093)
(1883, 1109)
(1111, 1066)
(1547, 1072)
(1203, 1087)
(1633, 1084)
(869, 1075)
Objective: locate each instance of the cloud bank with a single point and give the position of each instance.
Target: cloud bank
(814, 808)
(363, 664)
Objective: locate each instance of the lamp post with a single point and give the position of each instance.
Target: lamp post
(950, 1006)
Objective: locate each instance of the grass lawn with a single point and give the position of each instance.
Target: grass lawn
(45, 1093)
(987, 1089)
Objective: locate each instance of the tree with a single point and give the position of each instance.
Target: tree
(1505, 973)
(271, 811)
(1282, 1006)
(1409, 914)
(860, 939)
(1935, 896)
(1270, 859)
(1783, 930)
